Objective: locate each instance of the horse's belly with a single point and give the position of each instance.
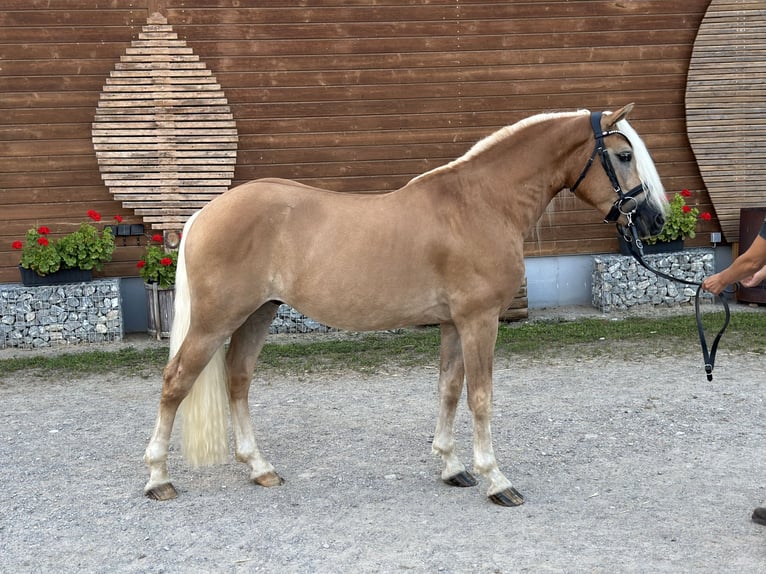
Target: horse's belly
(373, 312)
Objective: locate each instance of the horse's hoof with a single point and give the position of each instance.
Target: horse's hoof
(269, 479)
(461, 479)
(508, 497)
(164, 491)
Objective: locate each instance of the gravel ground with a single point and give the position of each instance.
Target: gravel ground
(636, 465)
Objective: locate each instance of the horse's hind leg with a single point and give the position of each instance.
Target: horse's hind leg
(178, 378)
(246, 345)
(451, 376)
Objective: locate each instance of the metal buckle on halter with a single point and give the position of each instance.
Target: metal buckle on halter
(628, 214)
(633, 236)
(617, 209)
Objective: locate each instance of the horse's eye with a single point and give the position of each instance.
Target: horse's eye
(625, 156)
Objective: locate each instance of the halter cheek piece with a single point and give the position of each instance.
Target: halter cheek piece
(626, 203)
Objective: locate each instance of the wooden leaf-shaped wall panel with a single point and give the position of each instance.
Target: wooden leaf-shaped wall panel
(164, 135)
(726, 107)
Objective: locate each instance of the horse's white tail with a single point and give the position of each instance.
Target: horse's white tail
(205, 438)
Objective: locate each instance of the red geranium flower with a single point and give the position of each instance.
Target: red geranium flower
(118, 218)
(42, 241)
(157, 265)
(17, 245)
(686, 209)
(43, 230)
(686, 193)
(706, 216)
(94, 215)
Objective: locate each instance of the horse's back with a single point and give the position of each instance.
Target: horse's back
(277, 186)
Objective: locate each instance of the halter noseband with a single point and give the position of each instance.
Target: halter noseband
(626, 203)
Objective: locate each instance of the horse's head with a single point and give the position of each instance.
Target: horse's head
(625, 187)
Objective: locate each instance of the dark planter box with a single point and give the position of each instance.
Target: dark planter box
(659, 247)
(31, 279)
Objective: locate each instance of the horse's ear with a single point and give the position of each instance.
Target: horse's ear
(609, 120)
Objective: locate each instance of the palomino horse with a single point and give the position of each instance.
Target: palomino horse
(446, 248)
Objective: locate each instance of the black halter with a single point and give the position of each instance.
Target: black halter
(627, 205)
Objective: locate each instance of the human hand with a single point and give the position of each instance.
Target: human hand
(749, 281)
(714, 284)
(755, 279)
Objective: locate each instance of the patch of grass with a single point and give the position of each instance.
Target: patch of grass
(128, 359)
(409, 348)
(364, 353)
(746, 331)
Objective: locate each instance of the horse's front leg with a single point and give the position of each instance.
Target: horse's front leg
(451, 377)
(478, 339)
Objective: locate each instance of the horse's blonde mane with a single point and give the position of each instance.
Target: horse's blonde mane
(655, 191)
(497, 137)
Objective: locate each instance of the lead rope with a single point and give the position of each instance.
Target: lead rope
(636, 248)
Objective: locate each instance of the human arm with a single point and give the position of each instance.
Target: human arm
(743, 266)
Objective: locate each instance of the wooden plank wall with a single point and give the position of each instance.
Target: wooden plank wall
(348, 95)
(54, 60)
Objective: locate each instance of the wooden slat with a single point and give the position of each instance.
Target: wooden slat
(725, 96)
(518, 310)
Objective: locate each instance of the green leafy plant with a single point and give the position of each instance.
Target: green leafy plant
(38, 252)
(157, 265)
(86, 248)
(680, 220)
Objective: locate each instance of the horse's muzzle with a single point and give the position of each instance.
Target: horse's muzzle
(648, 221)
(656, 224)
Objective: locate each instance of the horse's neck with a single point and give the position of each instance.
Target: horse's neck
(518, 177)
